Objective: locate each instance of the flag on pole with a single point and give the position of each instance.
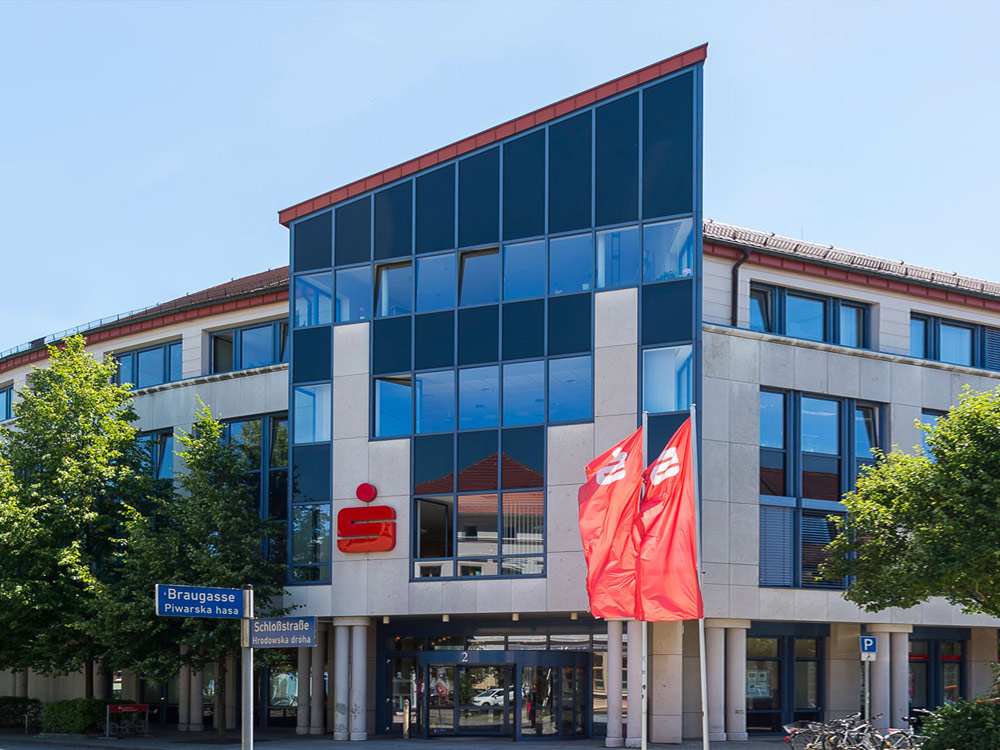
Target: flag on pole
(609, 504)
(666, 531)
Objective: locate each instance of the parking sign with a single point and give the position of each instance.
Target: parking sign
(869, 647)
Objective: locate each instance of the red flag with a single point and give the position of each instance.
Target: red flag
(609, 502)
(668, 586)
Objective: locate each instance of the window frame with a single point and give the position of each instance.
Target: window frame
(775, 311)
(979, 336)
(280, 344)
(166, 348)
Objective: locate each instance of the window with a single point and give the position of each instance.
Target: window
(435, 282)
(954, 342)
(804, 315)
(393, 290)
(310, 543)
(811, 450)
(313, 300)
(571, 264)
(435, 401)
(524, 270)
(570, 391)
(666, 379)
(618, 257)
(479, 282)
(313, 413)
(354, 294)
(478, 398)
(930, 418)
(250, 346)
(6, 402)
(524, 393)
(667, 250)
(393, 399)
(150, 366)
(160, 446)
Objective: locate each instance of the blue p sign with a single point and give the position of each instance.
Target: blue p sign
(869, 644)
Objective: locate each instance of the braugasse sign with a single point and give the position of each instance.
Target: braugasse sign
(198, 601)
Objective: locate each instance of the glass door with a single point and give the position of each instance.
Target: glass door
(539, 690)
(485, 699)
(441, 699)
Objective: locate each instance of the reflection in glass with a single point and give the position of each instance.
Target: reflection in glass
(570, 389)
(434, 527)
(956, 344)
(175, 355)
(524, 270)
(918, 337)
(865, 432)
(313, 299)
(772, 420)
(524, 393)
(441, 699)
(310, 534)
(256, 347)
(523, 523)
(668, 250)
(480, 278)
(666, 379)
(760, 311)
(817, 532)
(476, 526)
(805, 317)
(222, 352)
(820, 425)
(279, 442)
(354, 294)
(392, 406)
(313, 412)
(851, 325)
(478, 402)
(248, 436)
(436, 282)
(571, 264)
(806, 685)
(618, 257)
(537, 688)
(149, 368)
(394, 290)
(435, 401)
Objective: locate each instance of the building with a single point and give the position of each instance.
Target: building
(467, 331)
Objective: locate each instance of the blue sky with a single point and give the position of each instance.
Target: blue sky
(145, 148)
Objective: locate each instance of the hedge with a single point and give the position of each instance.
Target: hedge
(12, 711)
(964, 725)
(77, 716)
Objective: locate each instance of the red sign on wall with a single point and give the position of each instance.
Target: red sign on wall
(369, 528)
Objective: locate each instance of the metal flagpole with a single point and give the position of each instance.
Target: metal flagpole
(247, 711)
(644, 630)
(701, 622)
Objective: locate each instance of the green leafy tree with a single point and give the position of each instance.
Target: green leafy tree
(71, 469)
(929, 525)
(209, 533)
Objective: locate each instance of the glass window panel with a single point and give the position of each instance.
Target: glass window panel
(616, 151)
(394, 221)
(817, 532)
(313, 299)
(436, 210)
(772, 473)
(310, 534)
(354, 294)
(391, 345)
(524, 270)
(478, 567)
(476, 526)
(311, 360)
(165, 456)
(667, 250)
(820, 426)
(247, 435)
(312, 242)
(222, 352)
(570, 389)
(353, 233)
(435, 400)
(763, 686)
(760, 311)
(256, 347)
(852, 326)
(392, 406)
(524, 330)
(477, 461)
(434, 340)
(478, 335)
(524, 186)
(176, 357)
(571, 264)
(125, 373)
(667, 312)
(762, 648)
(951, 682)
(569, 324)
(149, 368)
(434, 527)
(956, 344)
(313, 410)
(277, 496)
(523, 458)
(805, 318)
(666, 379)
(865, 431)
(479, 199)
(309, 574)
(806, 648)
(618, 257)
(821, 477)
(434, 464)
(5, 404)
(806, 685)
(929, 418)
(523, 566)
(918, 337)
(311, 473)
(478, 402)
(479, 283)
(524, 393)
(668, 147)
(283, 341)
(772, 420)
(394, 290)
(436, 282)
(570, 180)
(523, 523)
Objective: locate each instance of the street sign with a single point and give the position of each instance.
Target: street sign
(198, 601)
(869, 647)
(283, 632)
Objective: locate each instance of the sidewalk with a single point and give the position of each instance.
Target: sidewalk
(174, 740)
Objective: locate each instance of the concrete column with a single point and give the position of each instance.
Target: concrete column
(302, 713)
(613, 684)
(665, 681)
(231, 690)
(715, 658)
(341, 681)
(899, 700)
(130, 686)
(736, 683)
(197, 720)
(184, 696)
(21, 683)
(359, 682)
(331, 649)
(317, 688)
(981, 656)
(100, 681)
(634, 677)
(880, 684)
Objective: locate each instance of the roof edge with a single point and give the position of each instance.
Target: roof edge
(540, 116)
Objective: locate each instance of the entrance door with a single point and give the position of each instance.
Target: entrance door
(470, 699)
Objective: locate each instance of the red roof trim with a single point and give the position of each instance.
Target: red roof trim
(530, 120)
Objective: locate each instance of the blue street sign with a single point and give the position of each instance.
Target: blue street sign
(198, 601)
(869, 644)
(283, 632)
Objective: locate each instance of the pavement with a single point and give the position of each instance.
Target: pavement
(172, 740)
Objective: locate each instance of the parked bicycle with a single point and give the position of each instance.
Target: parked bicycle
(852, 733)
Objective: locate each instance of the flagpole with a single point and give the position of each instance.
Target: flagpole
(706, 745)
(644, 630)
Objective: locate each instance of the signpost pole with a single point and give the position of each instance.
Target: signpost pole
(868, 692)
(247, 713)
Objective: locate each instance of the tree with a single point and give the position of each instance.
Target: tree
(71, 470)
(210, 533)
(922, 525)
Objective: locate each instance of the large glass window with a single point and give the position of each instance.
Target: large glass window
(313, 300)
(313, 413)
(667, 250)
(524, 270)
(150, 366)
(479, 282)
(478, 398)
(570, 389)
(310, 543)
(160, 446)
(666, 379)
(524, 393)
(393, 402)
(250, 346)
(918, 337)
(805, 317)
(956, 344)
(435, 282)
(6, 401)
(354, 294)
(394, 289)
(435, 401)
(571, 264)
(618, 257)
(814, 317)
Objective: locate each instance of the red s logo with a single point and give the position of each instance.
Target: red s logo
(370, 528)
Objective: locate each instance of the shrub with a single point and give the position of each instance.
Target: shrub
(12, 711)
(964, 725)
(77, 716)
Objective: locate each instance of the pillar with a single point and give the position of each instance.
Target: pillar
(130, 686)
(302, 712)
(331, 649)
(197, 720)
(341, 681)
(613, 684)
(736, 683)
(231, 688)
(21, 683)
(665, 684)
(100, 680)
(634, 677)
(880, 683)
(899, 699)
(317, 688)
(184, 696)
(359, 681)
(715, 658)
